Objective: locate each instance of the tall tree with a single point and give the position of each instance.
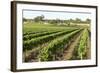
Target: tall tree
(78, 20)
(24, 19)
(39, 18)
(88, 20)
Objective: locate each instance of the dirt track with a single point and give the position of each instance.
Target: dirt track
(69, 50)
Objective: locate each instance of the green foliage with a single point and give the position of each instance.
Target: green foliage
(24, 19)
(30, 36)
(29, 44)
(55, 37)
(57, 45)
(39, 18)
(83, 45)
(88, 21)
(36, 27)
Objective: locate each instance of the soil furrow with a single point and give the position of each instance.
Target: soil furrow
(70, 49)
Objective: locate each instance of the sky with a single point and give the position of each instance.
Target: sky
(31, 14)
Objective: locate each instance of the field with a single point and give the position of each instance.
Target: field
(48, 42)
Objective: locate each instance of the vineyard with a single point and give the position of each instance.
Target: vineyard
(55, 43)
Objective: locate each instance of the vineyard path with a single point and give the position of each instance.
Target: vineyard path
(70, 49)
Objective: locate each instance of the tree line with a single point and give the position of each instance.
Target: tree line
(41, 18)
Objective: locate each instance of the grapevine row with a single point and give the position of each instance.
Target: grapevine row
(28, 45)
(82, 48)
(49, 52)
(28, 33)
(29, 37)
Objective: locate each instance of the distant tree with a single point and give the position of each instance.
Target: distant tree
(77, 20)
(71, 20)
(58, 21)
(55, 21)
(67, 22)
(24, 19)
(39, 18)
(88, 20)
